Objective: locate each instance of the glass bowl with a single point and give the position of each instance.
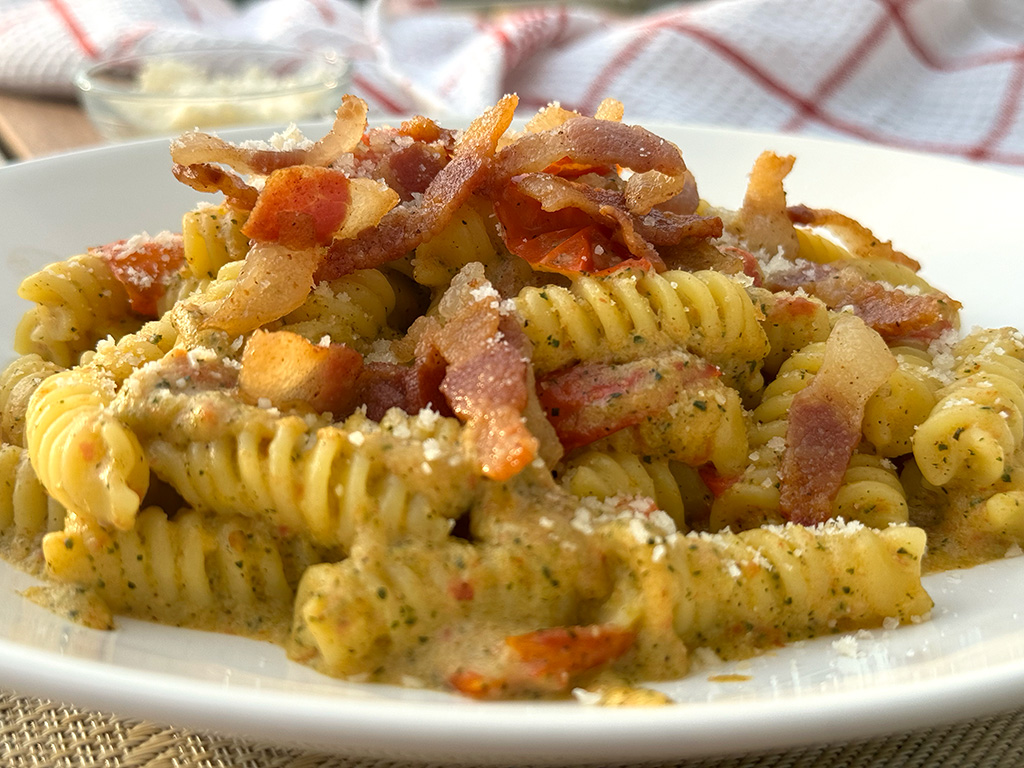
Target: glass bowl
(165, 93)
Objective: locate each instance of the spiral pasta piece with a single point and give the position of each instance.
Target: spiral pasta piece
(188, 569)
(404, 476)
(776, 583)
(791, 322)
(77, 302)
(212, 236)
(814, 246)
(470, 236)
(705, 427)
(119, 359)
(892, 414)
(603, 474)
(86, 458)
(372, 614)
(353, 310)
(977, 423)
(26, 511)
(17, 383)
(630, 314)
(871, 493)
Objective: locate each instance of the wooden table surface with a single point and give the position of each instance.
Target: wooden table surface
(32, 127)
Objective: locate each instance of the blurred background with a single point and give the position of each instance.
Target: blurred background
(939, 76)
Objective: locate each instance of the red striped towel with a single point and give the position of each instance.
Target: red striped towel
(944, 76)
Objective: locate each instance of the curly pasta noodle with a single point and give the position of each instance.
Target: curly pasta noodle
(469, 237)
(405, 475)
(814, 246)
(705, 426)
(892, 414)
(779, 583)
(85, 457)
(790, 323)
(769, 585)
(17, 383)
(628, 314)
(26, 510)
(353, 309)
(977, 423)
(77, 303)
(189, 569)
(119, 359)
(610, 473)
(212, 236)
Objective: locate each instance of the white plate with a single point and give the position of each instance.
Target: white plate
(961, 221)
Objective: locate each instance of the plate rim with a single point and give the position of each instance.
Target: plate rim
(859, 707)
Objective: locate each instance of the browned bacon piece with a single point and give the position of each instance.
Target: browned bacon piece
(488, 380)
(288, 371)
(206, 177)
(407, 158)
(594, 142)
(762, 220)
(608, 206)
(898, 315)
(196, 147)
(409, 387)
(300, 207)
(825, 420)
(545, 661)
(860, 240)
(409, 224)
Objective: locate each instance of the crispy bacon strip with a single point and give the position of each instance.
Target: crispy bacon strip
(409, 387)
(301, 206)
(206, 177)
(896, 314)
(589, 141)
(762, 220)
(858, 239)
(488, 380)
(144, 265)
(573, 206)
(410, 224)
(554, 115)
(300, 210)
(196, 147)
(825, 420)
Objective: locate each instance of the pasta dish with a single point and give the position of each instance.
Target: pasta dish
(508, 412)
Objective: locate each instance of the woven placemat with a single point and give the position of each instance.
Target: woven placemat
(42, 734)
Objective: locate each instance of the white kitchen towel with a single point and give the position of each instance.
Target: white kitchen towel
(942, 76)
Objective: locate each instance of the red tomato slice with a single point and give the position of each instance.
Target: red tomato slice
(143, 267)
(569, 650)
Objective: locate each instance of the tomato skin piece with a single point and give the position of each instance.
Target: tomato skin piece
(590, 401)
(300, 207)
(143, 268)
(545, 661)
(716, 483)
(571, 252)
(569, 650)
